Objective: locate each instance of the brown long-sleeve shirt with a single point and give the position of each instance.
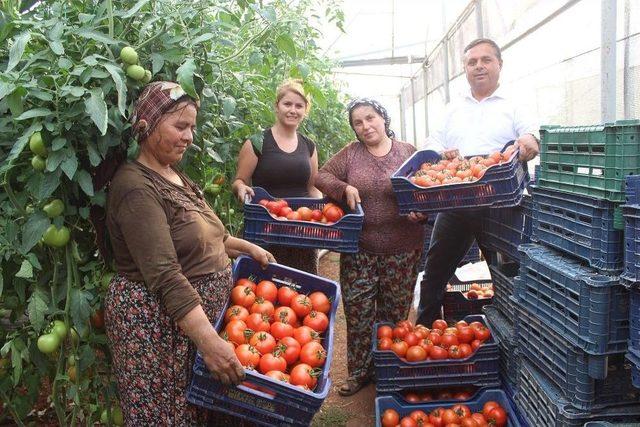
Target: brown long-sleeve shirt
(384, 231)
(163, 234)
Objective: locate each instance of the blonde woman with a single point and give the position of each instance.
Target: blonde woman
(286, 166)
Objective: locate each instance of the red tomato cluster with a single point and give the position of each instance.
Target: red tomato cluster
(476, 291)
(459, 169)
(281, 210)
(492, 414)
(440, 394)
(418, 343)
(278, 330)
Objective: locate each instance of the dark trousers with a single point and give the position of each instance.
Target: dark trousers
(452, 236)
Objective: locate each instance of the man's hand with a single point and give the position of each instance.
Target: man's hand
(451, 154)
(528, 147)
(352, 196)
(416, 216)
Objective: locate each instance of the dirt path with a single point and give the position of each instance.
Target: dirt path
(352, 411)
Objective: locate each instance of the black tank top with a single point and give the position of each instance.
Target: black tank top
(283, 174)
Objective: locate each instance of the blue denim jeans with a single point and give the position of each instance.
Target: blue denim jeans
(452, 236)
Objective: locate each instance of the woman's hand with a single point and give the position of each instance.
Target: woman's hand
(222, 362)
(416, 216)
(352, 196)
(262, 256)
(242, 190)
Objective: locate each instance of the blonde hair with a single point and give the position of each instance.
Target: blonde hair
(295, 86)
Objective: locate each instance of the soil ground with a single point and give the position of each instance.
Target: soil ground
(353, 411)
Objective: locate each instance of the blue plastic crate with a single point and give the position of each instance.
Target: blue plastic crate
(632, 189)
(263, 229)
(502, 277)
(387, 402)
(527, 207)
(541, 404)
(578, 225)
(456, 306)
(631, 273)
(501, 185)
(586, 381)
(634, 319)
(504, 229)
(589, 309)
(507, 344)
(261, 399)
(394, 374)
(634, 357)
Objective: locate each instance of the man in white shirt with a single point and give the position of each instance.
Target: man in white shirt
(481, 122)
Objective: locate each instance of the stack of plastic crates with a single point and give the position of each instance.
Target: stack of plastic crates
(507, 228)
(261, 399)
(571, 310)
(631, 275)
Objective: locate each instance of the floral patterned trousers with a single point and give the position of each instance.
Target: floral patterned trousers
(375, 288)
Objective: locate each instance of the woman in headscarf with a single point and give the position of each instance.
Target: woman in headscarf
(173, 276)
(377, 282)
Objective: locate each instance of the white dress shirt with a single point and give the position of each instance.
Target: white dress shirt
(481, 127)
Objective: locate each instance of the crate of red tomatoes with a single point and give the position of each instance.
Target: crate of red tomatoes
(301, 222)
(427, 183)
(410, 356)
(464, 298)
(489, 407)
(280, 322)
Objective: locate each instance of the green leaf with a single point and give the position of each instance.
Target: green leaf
(84, 180)
(70, 165)
(6, 88)
(58, 143)
(286, 44)
(268, 13)
(14, 101)
(55, 159)
(185, 77)
(17, 50)
(80, 309)
(33, 230)
(118, 78)
(228, 106)
(97, 109)
(201, 38)
(33, 259)
(94, 155)
(56, 47)
(48, 184)
(18, 146)
(135, 9)
(94, 35)
(256, 140)
(26, 270)
(35, 112)
(37, 308)
(1, 282)
(214, 155)
(157, 62)
(56, 32)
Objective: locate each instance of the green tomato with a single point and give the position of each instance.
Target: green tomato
(48, 343)
(54, 208)
(56, 237)
(212, 189)
(36, 145)
(129, 55)
(136, 72)
(147, 77)
(75, 338)
(71, 360)
(231, 211)
(116, 416)
(38, 163)
(59, 328)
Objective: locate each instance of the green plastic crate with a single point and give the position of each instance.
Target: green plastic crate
(590, 160)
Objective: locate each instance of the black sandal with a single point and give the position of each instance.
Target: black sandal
(352, 386)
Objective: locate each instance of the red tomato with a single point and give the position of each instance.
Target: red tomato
(438, 353)
(285, 314)
(384, 343)
(262, 306)
(278, 376)
(454, 352)
(450, 417)
(408, 422)
(461, 410)
(305, 334)
(316, 215)
(285, 294)
(258, 322)
(333, 214)
(248, 356)
(479, 418)
(400, 332)
(411, 397)
(411, 339)
(264, 342)
(280, 330)
(435, 417)
(304, 376)
(301, 304)
(237, 332)
(236, 312)
(313, 354)
(465, 334)
(405, 324)
(482, 333)
(475, 344)
(242, 295)
(271, 362)
(317, 321)
(419, 416)
(320, 302)
(447, 340)
(385, 331)
(390, 418)
(267, 290)
(289, 348)
(435, 337)
(488, 406)
(465, 350)
(439, 324)
(497, 417)
(416, 354)
(399, 347)
(246, 282)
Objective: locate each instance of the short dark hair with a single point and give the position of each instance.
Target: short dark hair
(490, 42)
